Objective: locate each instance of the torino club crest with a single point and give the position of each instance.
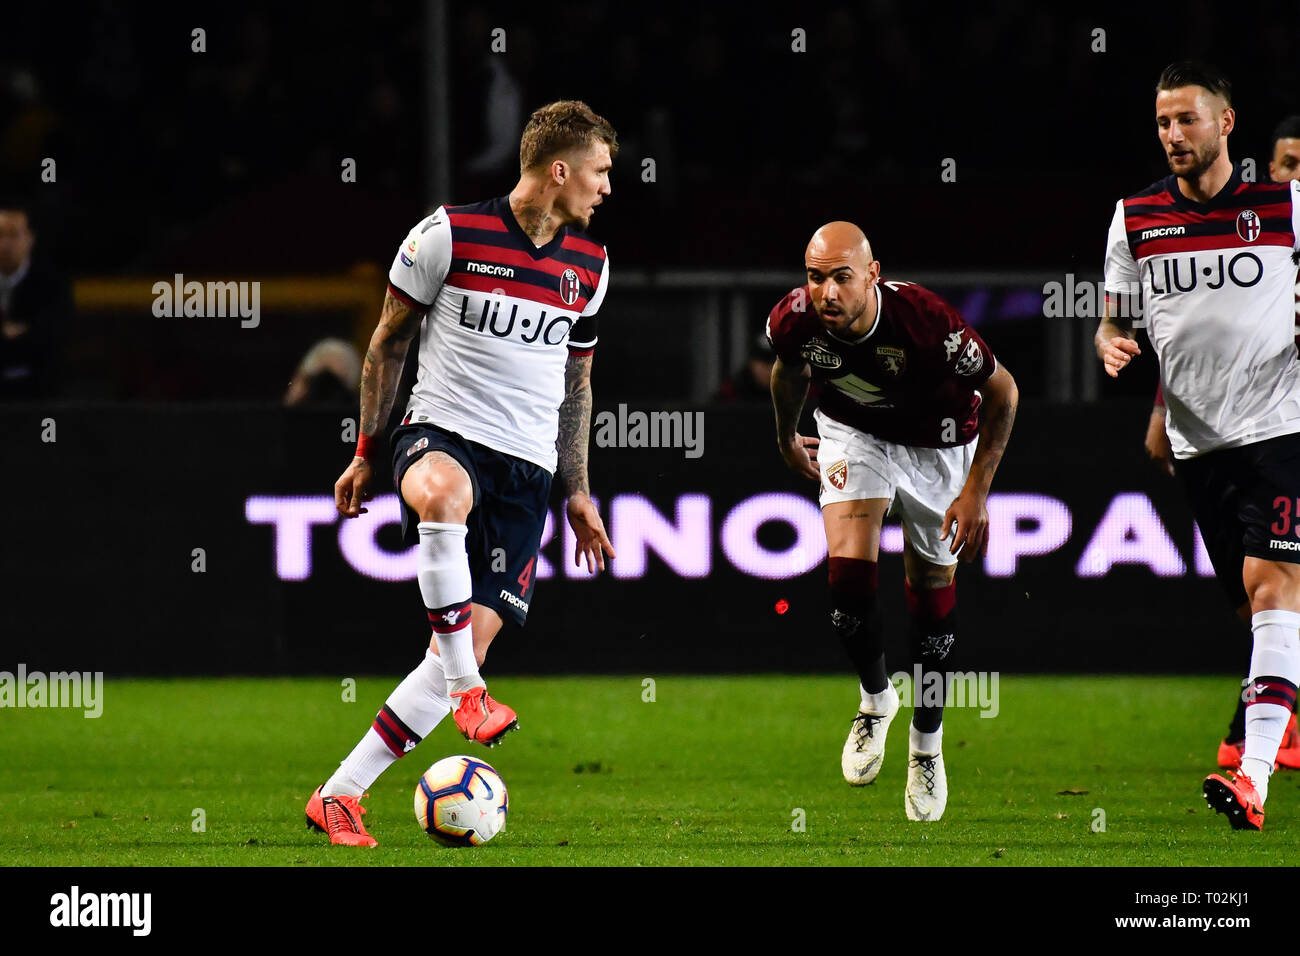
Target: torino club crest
(569, 286)
(1248, 225)
(892, 361)
(838, 474)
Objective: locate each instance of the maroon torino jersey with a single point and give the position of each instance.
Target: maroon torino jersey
(910, 380)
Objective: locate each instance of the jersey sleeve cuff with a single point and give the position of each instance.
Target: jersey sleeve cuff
(410, 300)
(583, 347)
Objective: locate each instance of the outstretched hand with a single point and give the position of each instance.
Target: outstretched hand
(590, 532)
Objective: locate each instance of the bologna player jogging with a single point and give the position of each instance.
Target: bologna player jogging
(1217, 284)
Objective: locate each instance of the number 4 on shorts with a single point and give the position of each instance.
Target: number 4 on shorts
(526, 577)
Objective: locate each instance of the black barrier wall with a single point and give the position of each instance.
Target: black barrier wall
(201, 540)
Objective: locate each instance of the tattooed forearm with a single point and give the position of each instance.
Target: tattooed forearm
(382, 370)
(997, 415)
(993, 438)
(575, 426)
(789, 389)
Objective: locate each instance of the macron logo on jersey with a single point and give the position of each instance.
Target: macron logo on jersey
(485, 269)
(1164, 231)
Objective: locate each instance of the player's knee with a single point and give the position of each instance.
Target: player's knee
(1270, 585)
(936, 577)
(441, 495)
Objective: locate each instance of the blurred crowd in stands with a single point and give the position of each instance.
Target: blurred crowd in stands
(227, 162)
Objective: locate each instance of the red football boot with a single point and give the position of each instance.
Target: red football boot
(1288, 752)
(482, 719)
(1237, 798)
(1230, 753)
(340, 817)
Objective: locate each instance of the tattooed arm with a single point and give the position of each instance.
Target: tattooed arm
(575, 426)
(789, 389)
(380, 376)
(968, 510)
(385, 357)
(571, 455)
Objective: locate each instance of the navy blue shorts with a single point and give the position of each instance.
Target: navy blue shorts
(1247, 504)
(505, 522)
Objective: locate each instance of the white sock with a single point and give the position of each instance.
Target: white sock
(1274, 653)
(925, 745)
(457, 650)
(881, 703)
(417, 705)
(442, 567)
(421, 699)
(341, 785)
(368, 760)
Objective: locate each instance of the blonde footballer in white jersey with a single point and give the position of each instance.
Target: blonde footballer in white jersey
(503, 295)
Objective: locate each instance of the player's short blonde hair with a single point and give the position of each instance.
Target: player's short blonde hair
(560, 127)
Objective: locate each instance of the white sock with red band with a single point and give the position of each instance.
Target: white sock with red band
(407, 717)
(1271, 694)
(442, 567)
(421, 700)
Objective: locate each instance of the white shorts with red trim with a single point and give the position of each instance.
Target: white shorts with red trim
(918, 483)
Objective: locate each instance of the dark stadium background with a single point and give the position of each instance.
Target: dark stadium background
(225, 165)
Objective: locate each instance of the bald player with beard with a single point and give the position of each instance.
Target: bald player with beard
(913, 413)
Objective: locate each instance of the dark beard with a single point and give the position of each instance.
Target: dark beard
(1201, 165)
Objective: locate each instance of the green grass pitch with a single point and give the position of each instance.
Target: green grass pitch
(714, 771)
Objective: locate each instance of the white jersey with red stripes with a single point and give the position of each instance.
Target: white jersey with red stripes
(501, 318)
(1217, 282)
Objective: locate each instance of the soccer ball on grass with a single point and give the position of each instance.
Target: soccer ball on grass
(461, 801)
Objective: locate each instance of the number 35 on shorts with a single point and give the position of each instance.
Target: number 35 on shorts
(1287, 510)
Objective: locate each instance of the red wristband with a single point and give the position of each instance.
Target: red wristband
(365, 445)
